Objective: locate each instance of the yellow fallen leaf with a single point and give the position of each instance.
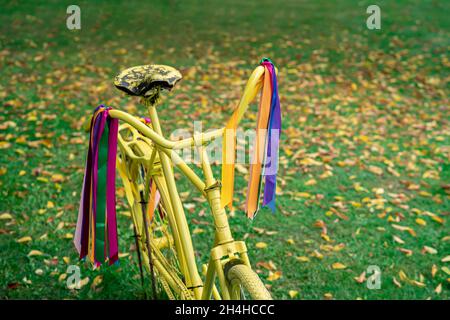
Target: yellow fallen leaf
(438, 289)
(376, 170)
(446, 270)
(57, 177)
(418, 284)
(302, 259)
(5, 216)
(125, 213)
(317, 254)
(328, 296)
(398, 284)
(97, 281)
(290, 241)
(310, 162)
(261, 245)
(421, 222)
(68, 236)
(66, 260)
(24, 239)
(429, 250)
(35, 253)
(124, 255)
(50, 205)
(338, 266)
(446, 259)
(434, 269)
(62, 277)
(398, 240)
(310, 182)
(403, 276)
(274, 275)
(325, 237)
(293, 293)
(198, 230)
(84, 282)
(302, 194)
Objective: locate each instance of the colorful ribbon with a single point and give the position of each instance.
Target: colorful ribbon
(265, 152)
(96, 232)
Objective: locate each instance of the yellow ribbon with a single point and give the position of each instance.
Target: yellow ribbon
(229, 137)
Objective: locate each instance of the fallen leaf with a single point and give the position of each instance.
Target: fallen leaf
(273, 276)
(302, 259)
(338, 266)
(35, 253)
(361, 278)
(261, 245)
(5, 216)
(24, 239)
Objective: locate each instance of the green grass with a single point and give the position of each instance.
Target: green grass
(351, 98)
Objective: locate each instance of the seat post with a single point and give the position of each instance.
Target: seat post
(193, 278)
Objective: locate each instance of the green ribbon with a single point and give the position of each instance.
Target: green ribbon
(101, 195)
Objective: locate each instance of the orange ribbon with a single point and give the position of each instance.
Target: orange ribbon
(229, 148)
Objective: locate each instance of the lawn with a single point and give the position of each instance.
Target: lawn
(365, 152)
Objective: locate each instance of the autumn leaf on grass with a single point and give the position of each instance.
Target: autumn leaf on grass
(421, 222)
(376, 170)
(273, 276)
(398, 239)
(438, 289)
(5, 216)
(408, 252)
(361, 278)
(398, 284)
(267, 265)
(97, 281)
(261, 245)
(302, 259)
(446, 259)
(35, 253)
(338, 266)
(429, 250)
(24, 239)
(293, 293)
(403, 228)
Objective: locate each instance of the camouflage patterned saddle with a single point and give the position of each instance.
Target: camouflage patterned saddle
(147, 80)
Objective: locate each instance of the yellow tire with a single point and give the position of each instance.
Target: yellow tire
(245, 284)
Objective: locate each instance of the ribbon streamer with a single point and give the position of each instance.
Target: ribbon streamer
(96, 231)
(265, 152)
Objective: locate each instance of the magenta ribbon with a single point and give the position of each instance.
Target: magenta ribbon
(87, 215)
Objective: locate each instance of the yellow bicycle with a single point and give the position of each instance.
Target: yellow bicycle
(145, 162)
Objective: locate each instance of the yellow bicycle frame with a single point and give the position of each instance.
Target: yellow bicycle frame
(225, 247)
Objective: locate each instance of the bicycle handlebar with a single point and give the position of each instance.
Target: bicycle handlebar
(251, 90)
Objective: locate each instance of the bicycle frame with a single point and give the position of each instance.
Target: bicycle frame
(225, 247)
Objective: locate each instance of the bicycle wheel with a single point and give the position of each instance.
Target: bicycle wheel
(245, 284)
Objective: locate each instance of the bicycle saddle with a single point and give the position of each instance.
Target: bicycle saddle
(147, 79)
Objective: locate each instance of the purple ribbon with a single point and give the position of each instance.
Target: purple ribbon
(274, 129)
